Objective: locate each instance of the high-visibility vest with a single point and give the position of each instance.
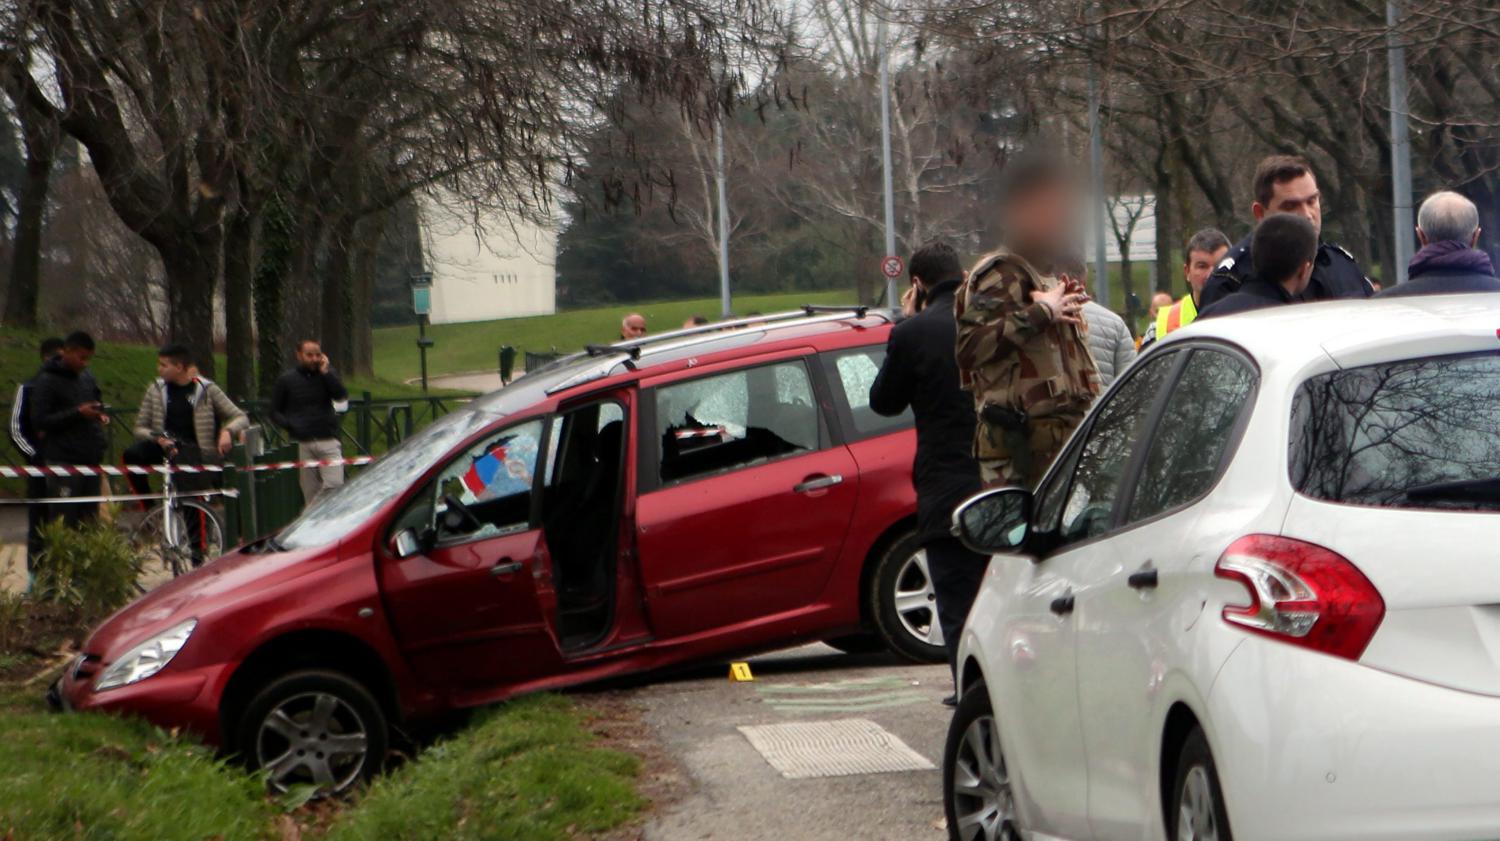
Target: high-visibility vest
(1180, 314)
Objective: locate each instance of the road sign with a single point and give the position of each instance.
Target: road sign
(892, 266)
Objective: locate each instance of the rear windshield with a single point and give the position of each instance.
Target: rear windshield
(1422, 433)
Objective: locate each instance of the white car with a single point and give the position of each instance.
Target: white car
(1259, 590)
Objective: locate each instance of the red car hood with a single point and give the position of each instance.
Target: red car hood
(226, 581)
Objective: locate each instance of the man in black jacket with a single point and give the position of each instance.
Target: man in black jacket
(1285, 249)
(26, 441)
(67, 412)
(920, 371)
(1450, 261)
(302, 403)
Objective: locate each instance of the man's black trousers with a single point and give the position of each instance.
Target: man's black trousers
(956, 575)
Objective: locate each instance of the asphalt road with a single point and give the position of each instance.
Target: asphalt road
(732, 792)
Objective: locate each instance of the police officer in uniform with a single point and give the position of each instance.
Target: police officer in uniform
(1286, 184)
(1022, 346)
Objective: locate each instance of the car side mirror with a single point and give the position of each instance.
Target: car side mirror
(994, 522)
(406, 543)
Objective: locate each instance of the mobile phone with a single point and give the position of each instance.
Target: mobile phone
(919, 300)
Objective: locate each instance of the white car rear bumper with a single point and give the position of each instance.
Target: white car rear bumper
(1313, 747)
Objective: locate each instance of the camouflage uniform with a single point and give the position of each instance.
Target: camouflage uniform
(1013, 356)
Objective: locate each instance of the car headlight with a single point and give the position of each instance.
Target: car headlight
(146, 659)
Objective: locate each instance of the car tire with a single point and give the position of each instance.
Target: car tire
(902, 603)
(1197, 812)
(978, 800)
(857, 644)
(314, 727)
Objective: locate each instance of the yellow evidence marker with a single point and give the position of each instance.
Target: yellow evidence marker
(740, 672)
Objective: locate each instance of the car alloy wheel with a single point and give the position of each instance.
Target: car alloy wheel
(916, 601)
(317, 728)
(1198, 812)
(981, 804)
(1195, 812)
(312, 739)
(903, 604)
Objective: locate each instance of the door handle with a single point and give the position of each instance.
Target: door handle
(1063, 605)
(505, 567)
(817, 483)
(1143, 579)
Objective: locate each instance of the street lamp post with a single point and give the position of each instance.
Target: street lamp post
(421, 304)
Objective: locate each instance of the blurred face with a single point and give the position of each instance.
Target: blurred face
(1298, 196)
(633, 327)
(173, 371)
(310, 355)
(1040, 222)
(1200, 265)
(76, 358)
(1159, 300)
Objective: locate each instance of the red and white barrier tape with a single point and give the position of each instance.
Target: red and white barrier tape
(149, 469)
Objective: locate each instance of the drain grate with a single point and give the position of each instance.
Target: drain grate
(802, 750)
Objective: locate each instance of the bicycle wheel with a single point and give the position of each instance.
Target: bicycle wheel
(169, 547)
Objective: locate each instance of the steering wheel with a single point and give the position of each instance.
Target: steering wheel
(458, 518)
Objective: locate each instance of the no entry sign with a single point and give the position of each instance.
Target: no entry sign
(892, 266)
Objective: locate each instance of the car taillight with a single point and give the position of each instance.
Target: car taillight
(1302, 594)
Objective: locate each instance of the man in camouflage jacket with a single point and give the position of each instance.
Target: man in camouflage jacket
(1022, 345)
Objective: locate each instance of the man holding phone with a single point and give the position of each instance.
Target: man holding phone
(919, 372)
(69, 415)
(302, 403)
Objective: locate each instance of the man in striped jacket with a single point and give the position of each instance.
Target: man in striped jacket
(29, 445)
(185, 416)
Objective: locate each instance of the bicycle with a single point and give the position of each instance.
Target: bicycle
(180, 532)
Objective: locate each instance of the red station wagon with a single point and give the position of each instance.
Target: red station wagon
(690, 496)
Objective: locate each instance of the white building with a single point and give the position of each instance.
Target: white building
(499, 268)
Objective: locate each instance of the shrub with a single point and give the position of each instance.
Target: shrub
(90, 570)
(13, 619)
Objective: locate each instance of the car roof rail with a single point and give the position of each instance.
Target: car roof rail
(807, 311)
(687, 336)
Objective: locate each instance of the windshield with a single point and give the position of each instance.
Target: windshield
(336, 514)
(1422, 433)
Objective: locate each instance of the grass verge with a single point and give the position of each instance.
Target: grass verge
(529, 770)
(475, 346)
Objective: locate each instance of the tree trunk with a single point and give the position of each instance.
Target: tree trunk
(192, 267)
(371, 232)
(239, 335)
(1165, 233)
(301, 298)
(271, 269)
(337, 299)
(22, 292)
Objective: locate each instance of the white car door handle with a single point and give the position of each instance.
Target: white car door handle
(818, 483)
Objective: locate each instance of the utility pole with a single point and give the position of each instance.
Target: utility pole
(1096, 180)
(891, 298)
(1395, 54)
(719, 177)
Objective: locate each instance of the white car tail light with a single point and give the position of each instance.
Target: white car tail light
(1302, 594)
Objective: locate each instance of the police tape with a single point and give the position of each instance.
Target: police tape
(229, 493)
(42, 472)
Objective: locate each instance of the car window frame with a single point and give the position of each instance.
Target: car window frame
(648, 477)
(533, 510)
(1130, 478)
(1231, 444)
(849, 432)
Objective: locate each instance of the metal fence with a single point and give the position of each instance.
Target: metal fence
(371, 426)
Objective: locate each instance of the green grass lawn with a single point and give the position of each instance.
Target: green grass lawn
(475, 346)
(525, 771)
(124, 369)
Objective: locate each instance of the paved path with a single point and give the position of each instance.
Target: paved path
(735, 794)
(481, 382)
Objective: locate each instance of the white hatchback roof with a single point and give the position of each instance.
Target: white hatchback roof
(1360, 332)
